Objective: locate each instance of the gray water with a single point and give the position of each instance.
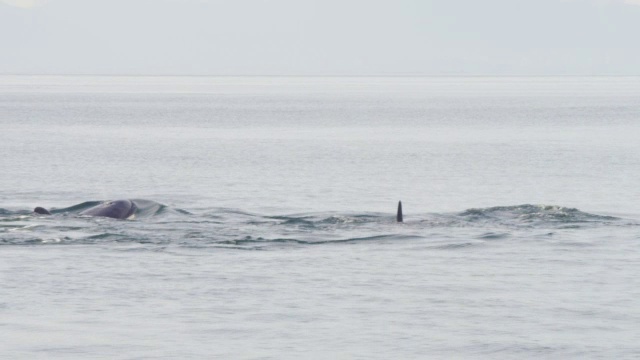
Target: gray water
(266, 217)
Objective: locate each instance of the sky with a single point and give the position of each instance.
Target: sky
(320, 37)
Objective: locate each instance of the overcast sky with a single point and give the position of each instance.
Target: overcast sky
(320, 37)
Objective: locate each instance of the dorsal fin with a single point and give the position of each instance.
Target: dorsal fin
(399, 215)
(41, 211)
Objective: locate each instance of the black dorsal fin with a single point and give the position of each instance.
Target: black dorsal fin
(41, 211)
(399, 215)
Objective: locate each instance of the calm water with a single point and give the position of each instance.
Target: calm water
(266, 223)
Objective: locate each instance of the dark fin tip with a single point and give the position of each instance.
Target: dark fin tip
(399, 215)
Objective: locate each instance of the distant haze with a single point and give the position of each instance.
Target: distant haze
(323, 37)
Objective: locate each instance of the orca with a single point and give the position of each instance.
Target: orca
(399, 214)
(116, 209)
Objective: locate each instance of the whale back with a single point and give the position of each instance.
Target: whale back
(41, 211)
(117, 209)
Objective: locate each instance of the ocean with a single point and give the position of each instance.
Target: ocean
(266, 222)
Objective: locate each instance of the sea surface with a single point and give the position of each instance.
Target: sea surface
(266, 224)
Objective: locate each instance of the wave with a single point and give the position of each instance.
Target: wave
(260, 240)
(527, 215)
(530, 213)
(161, 225)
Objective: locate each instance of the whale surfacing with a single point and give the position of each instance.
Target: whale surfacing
(116, 209)
(41, 211)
